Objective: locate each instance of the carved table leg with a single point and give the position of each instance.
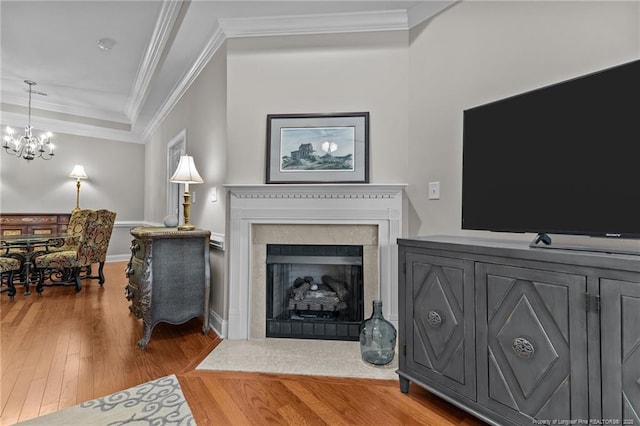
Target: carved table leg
(146, 336)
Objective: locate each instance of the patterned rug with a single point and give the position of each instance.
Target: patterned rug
(159, 402)
(296, 356)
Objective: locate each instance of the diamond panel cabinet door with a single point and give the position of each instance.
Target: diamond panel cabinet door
(441, 343)
(531, 337)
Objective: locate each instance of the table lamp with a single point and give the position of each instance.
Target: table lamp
(186, 173)
(78, 173)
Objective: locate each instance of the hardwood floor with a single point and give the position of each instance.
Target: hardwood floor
(62, 348)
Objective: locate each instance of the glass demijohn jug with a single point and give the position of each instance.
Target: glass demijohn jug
(377, 337)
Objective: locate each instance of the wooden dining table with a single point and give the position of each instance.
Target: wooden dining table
(27, 246)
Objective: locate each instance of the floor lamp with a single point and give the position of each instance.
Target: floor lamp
(78, 173)
(186, 173)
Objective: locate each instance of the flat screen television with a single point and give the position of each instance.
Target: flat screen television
(562, 159)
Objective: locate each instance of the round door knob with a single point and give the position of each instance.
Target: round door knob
(434, 319)
(523, 348)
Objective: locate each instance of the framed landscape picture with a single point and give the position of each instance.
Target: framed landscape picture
(318, 148)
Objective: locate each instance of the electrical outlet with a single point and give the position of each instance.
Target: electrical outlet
(434, 190)
(213, 194)
(193, 197)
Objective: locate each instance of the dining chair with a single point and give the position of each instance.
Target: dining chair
(9, 265)
(74, 265)
(100, 243)
(74, 230)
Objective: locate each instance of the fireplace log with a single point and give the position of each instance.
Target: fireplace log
(298, 293)
(305, 298)
(339, 287)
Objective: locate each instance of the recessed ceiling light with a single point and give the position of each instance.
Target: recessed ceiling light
(106, 44)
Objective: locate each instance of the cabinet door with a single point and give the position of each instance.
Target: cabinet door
(532, 343)
(440, 314)
(620, 340)
(178, 279)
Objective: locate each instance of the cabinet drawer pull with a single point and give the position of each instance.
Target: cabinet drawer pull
(523, 348)
(434, 319)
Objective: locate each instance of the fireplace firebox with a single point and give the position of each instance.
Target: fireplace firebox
(314, 291)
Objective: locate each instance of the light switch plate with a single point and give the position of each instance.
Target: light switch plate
(434, 190)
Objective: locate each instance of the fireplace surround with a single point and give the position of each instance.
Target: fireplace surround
(369, 215)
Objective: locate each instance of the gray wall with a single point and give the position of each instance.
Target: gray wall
(319, 74)
(116, 182)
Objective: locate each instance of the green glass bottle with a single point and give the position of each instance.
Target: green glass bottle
(377, 337)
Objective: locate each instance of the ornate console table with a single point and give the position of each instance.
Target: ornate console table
(168, 276)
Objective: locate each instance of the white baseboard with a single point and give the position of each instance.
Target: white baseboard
(218, 324)
(117, 258)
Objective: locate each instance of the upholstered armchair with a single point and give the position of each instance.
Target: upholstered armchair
(9, 266)
(99, 244)
(92, 246)
(74, 230)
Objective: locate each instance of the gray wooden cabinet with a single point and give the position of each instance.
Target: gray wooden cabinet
(169, 275)
(515, 335)
(441, 338)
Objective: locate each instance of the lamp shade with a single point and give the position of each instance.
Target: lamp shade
(78, 172)
(186, 171)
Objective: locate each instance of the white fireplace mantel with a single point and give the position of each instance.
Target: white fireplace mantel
(328, 204)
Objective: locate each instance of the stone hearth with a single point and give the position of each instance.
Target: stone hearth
(367, 214)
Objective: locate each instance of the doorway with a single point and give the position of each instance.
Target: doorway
(175, 148)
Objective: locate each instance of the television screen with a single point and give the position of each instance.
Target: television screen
(561, 159)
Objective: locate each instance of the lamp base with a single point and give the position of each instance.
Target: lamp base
(186, 227)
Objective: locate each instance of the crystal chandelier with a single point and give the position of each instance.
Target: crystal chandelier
(28, 146)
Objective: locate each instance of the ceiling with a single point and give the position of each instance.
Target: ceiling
(159, 47)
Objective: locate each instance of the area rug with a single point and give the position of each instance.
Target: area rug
(159, 402)
(296, 356)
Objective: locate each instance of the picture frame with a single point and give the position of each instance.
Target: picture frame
(318, 148)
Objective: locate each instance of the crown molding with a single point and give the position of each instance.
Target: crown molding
(212, 46)
(391, 20)
(85, 111)
(427, 10)
(78, 129)
(161, 36)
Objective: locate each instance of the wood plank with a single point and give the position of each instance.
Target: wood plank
(325, 411)
(33, 400)
(69, 391)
